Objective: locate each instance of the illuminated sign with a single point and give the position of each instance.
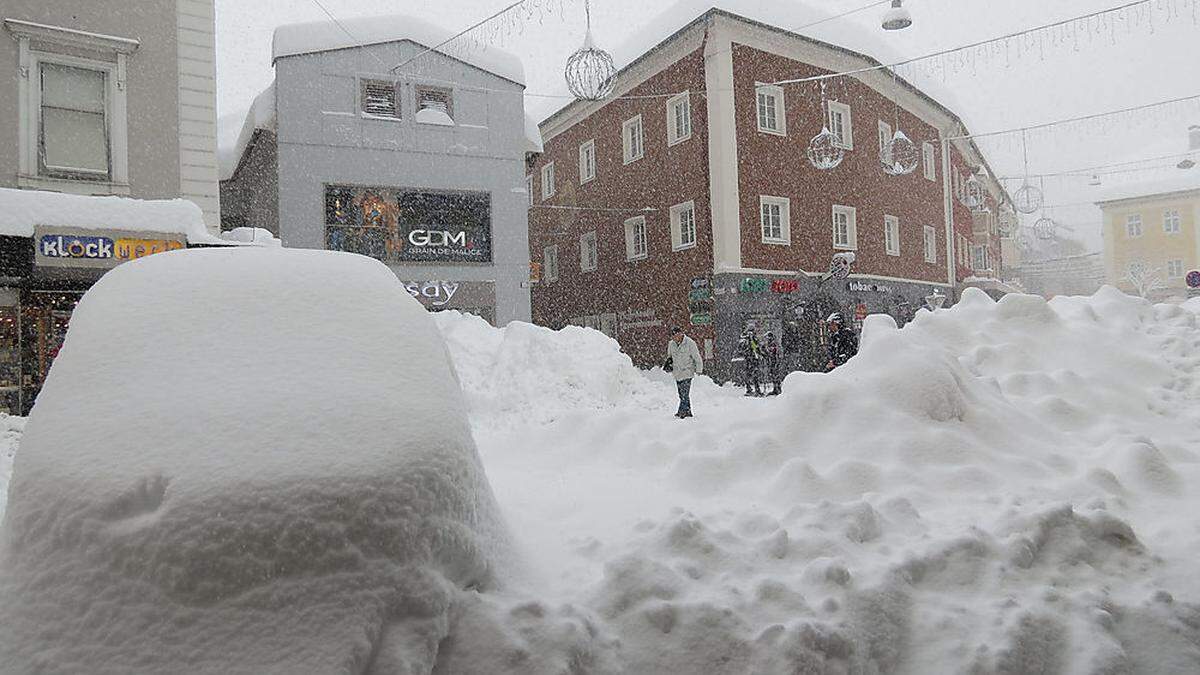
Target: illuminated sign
(81, 247)
(409, 225)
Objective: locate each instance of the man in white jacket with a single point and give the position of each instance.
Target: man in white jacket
(684, 358)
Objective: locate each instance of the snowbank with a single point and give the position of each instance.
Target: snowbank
(10, 437)
(22, 210)
(244, 461)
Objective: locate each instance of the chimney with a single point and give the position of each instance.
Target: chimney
(1194, 137)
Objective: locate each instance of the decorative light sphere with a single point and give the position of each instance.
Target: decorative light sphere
(900, 155)
(897, 18)
(1027, 199)
(590, 72)
(825, 151)
(1044, 228)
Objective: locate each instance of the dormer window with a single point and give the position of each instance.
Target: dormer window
(380, 98)
(435, 105)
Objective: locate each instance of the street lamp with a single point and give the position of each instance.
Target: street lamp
(897, 18)
(935, 300)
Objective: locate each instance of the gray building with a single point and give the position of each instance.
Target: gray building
(369, 142)
(108, 97)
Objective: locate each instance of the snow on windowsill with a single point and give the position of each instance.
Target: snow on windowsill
(434, 117)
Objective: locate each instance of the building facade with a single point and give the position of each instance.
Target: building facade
(1151, 239)
(688, 199)
(421, 168)
(97, 98)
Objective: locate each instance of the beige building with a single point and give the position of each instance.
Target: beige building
(110, 97)
(1150, 233)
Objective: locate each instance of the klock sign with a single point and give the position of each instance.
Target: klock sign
(79, 247)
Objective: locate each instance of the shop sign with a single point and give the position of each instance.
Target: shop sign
(785, 286)
(638, 318)
(436, 293)
(700, 301)
(78, 247)
(753, 285)
(1193, 279)
(863, 287)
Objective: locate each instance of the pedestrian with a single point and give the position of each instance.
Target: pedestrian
(774, 363)
(750, 355)
(843, 344)
(684, 362)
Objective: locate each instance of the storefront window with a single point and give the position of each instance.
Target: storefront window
(400, 225)
(10, 360)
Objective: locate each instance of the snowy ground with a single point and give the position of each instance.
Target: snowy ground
(996, 488)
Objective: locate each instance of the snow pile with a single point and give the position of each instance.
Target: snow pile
(525, 374)
(10, 436)
(277, 478)
(22, 210)
(254, 236)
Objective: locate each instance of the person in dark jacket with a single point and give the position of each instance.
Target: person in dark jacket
(774, 361)
(843, 344)
(750, 355)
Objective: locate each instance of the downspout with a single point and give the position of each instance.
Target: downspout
(948, 211)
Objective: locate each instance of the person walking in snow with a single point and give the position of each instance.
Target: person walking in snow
(750, 356)
(774, 361)
(843, 344)
(684, 362)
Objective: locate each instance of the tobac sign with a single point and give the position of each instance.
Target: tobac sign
(79, 247)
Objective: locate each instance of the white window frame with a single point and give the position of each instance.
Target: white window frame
(1131, 220)
(589, 252)
(29, 95)
(891, 235)
(674, 137)
(627, 137)
(529, 188)
(785, 220)
(979, 258)
(885, 137)
(677, 211)
(929, 158)
(779, 108)
(851, 214)
(631, 252)
(587, 161)
(846, 138)
(930, 244)
(547, 181)
(1175, 264)
(1172, 221)
(550, 263)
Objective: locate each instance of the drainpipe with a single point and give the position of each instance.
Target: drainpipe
(948, 211)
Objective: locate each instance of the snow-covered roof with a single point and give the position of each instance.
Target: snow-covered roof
(261, 115)
(322, 36)
(251, 236)
(23, 210)
(1181, 183)
(533, 136)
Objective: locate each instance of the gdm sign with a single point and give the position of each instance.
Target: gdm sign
(437, 238)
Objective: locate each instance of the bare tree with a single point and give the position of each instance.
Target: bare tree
(1144, 279)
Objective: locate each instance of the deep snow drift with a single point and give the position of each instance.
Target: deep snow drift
(244, 461)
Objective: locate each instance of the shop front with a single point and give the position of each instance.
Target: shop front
(794, 310)
(41, 280)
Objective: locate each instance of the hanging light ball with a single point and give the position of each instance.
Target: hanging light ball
(825, 151)
(897, 18)
(900, 155)
(1044, 228)
(590, 72)
(1027, 199)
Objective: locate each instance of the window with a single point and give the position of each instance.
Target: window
(964, 251)
(550, 263)
(379, 98)
(683, 226)
(770, 109)
(587, 162)
(891, 235)
(885, 137)
(529, 188)
(979, 258)
(929, 157)
(634, 141)
(1174, 269)
(1171, 221)
(438, 101)
(841, 125)
(635, 238)
(1133, 226)
(548, 181)
(679, 118)
(930, 244)
(74, 131)
(588, 253)
(775, 218)
(845, 229)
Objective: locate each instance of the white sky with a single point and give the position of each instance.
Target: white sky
(1141, 65)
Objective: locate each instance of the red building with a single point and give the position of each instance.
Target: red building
(688, 198)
